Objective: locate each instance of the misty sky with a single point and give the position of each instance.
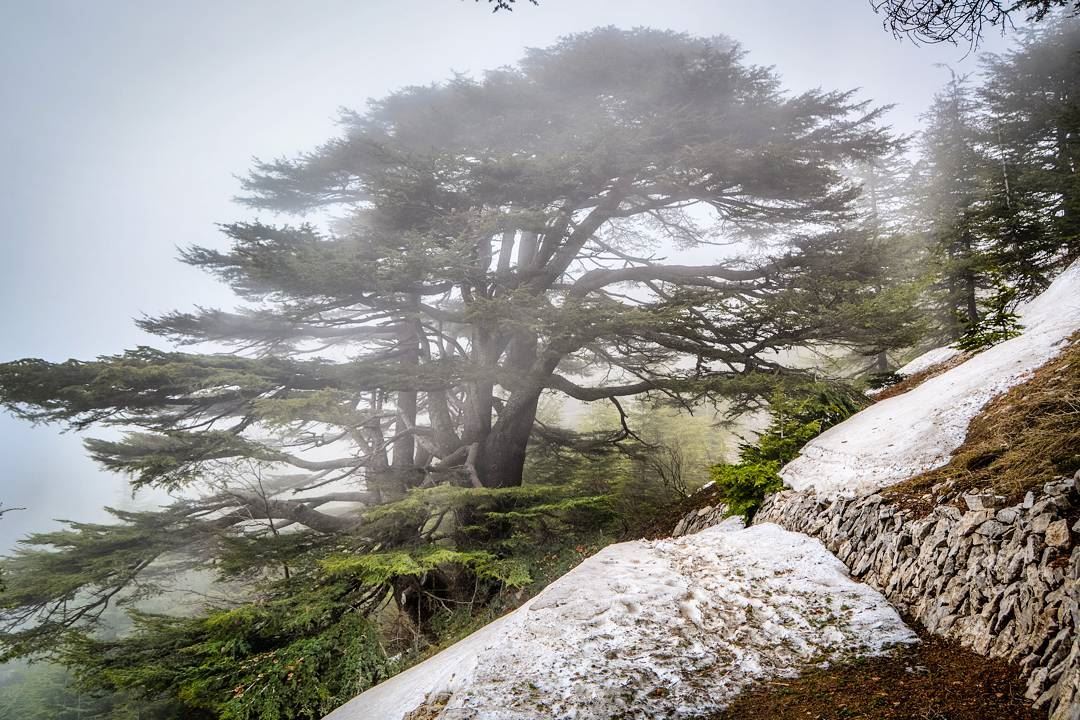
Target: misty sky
(123, 125)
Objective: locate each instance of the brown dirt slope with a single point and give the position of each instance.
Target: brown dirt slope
(934, 680)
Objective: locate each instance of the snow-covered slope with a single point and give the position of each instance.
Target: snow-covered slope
(653, 629)
(927, 360)
(674, 628)
(908, 434)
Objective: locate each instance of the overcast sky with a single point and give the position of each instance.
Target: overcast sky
(124, 123)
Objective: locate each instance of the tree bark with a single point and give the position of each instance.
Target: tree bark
(404, 449)
(500, 460)
(971, 301)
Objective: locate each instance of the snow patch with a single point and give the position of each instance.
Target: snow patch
(927, 360)
(908, 434)
(653, 629)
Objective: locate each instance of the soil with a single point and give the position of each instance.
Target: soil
(934, 680)
(664, 524)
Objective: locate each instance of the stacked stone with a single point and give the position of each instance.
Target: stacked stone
(704, 517)
(1004, 581)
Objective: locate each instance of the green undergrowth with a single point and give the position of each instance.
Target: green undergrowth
(797, 415)
(326, 617)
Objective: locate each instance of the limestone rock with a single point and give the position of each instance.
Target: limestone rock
(992, 577)
(1057, 534)
(983, 501)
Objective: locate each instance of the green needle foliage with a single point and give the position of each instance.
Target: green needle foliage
(298, 653)
(797, 416)
(369, 465)
(996, 191)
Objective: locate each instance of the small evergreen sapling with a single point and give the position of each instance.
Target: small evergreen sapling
(797, 416)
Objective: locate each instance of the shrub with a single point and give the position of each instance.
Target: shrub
(797, 416)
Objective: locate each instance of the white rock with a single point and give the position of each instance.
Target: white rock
(1057, 534)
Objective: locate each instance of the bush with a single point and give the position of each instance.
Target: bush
(999, 324)
(798, 416)
(745, 486)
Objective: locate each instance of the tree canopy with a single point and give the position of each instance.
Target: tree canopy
(626, 214)
(994, 191)
(367, 447)
(496, 239)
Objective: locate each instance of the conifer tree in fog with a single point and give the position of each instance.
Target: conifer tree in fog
(950, 198)
(996, 190)
(626, 213)
(500, 238)
(1031, 104)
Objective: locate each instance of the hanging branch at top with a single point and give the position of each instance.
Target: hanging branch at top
(507, 5)
(935, 21)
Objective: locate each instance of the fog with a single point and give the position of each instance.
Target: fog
(124, 124)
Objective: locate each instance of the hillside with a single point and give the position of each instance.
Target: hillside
(677, 628)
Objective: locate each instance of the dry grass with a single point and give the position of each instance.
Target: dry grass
(431, 708)
(664, 524)
(1021, 439)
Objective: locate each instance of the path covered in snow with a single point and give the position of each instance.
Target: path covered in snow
(659, 629)
(905, 435)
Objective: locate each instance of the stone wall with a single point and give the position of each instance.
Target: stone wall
(703, 517)
(1004, 581)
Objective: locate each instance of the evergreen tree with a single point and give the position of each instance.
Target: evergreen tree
(1031, 103)
(797, 415)
(888, 218)
(472, 246)
(884, 201)
(951, 202)
(2, 511)
(998, 185)
(497, 240)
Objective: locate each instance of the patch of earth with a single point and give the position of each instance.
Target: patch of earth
(934, 680)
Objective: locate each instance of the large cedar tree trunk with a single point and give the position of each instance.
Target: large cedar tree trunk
(501, 457)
